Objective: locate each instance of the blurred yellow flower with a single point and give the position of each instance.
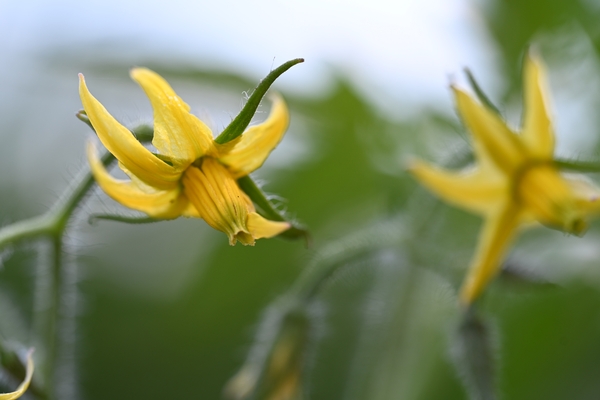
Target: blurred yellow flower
(25, 384)
(514, 182)
(191, 175)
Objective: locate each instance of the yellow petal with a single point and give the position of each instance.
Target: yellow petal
(492, 139)
(471, 190)
(498, 231)
(124, 146)
(254, 146)
(538, 134)
(177, 133)
(260, 227)
(162, 204)
(25, 384)
(218, 199)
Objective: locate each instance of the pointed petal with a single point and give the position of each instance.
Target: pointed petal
(190, 211)
(177, 133)
(260, 227)
(252, 149)
(493, 141)
(498, 231)
(25, 384)
(538, 134)
(124, 146)
(471, 190)
(219, 200)
(163, 204)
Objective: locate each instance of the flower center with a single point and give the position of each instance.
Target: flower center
(548, 196)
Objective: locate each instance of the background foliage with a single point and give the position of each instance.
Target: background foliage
(169, 310)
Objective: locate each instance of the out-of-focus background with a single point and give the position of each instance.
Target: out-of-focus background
(169, 310)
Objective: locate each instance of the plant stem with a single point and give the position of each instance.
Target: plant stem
(579, 166)
(54, 221)
(54, 312)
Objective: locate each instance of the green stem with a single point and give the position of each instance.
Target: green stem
(122, 218)
(52, 225)
(15, 365)
(240, 123)
(51, 333)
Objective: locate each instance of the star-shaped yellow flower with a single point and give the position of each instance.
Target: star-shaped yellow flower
(191, 175)
(514, 182)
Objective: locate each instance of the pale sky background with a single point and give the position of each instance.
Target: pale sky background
(395, 51)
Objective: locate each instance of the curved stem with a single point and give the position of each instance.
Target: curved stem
(54, 221)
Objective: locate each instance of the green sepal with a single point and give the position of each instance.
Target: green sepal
(483, 98)
(560, 163)
(578, 166)
(241, 122)
(268, 210)
(121, 218)
(82, 116)
(473, 355)
(517, 275)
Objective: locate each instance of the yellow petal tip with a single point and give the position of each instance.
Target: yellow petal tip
(261, 227)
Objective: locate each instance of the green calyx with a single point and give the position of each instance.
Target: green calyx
(241, 122)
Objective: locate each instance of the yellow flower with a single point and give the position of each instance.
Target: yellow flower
(25, 384)
(191, 175)
(514, 182)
